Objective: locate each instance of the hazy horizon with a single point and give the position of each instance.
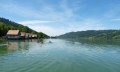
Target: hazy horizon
(54, 17)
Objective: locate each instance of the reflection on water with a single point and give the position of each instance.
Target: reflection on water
(56, 55)
(3, 50)
(18, 45)
(13, 46)
(98, 42)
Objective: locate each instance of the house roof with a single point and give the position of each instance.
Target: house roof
(13, 32)
(22, 33)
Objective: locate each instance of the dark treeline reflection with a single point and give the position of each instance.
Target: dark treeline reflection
(3, 50)
(22, 45)
(102, 42)
(17, 45)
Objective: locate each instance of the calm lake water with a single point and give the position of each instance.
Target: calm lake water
(57, 55)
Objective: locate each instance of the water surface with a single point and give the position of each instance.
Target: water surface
(57, 55)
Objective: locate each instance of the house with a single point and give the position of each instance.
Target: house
(30, 35)
(27, 35)
(13, 34)
(23, 35)
(34, 36)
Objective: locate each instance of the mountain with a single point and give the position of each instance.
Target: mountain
(6, 24)
(93, 35)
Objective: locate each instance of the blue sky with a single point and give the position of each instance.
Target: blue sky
(56, 17)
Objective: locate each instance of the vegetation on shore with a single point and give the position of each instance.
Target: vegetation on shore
(93, 35)
(2, 39)
(6, 24)
(42, 35)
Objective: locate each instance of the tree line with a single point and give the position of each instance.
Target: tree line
(6, 24)
(93, 35)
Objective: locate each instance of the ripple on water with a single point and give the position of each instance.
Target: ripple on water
(60, 56)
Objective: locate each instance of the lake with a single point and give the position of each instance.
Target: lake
(58, 55)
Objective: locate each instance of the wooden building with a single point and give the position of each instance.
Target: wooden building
(30, 35)
(23, 34)
(34, 36)
(27, 35)
(13, 34)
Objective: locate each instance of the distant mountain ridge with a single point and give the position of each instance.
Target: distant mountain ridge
(6, 24)
(93, 34)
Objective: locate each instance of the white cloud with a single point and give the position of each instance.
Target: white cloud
(51, 15)
(51, 31)
(46, 12)
(87, 24)
(35, 22)
(116, 19)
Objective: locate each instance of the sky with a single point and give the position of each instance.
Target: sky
(56, 17)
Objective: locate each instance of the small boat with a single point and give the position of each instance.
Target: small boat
(50, 41)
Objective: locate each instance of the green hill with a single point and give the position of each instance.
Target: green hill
(6, 24)
(93, 35)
